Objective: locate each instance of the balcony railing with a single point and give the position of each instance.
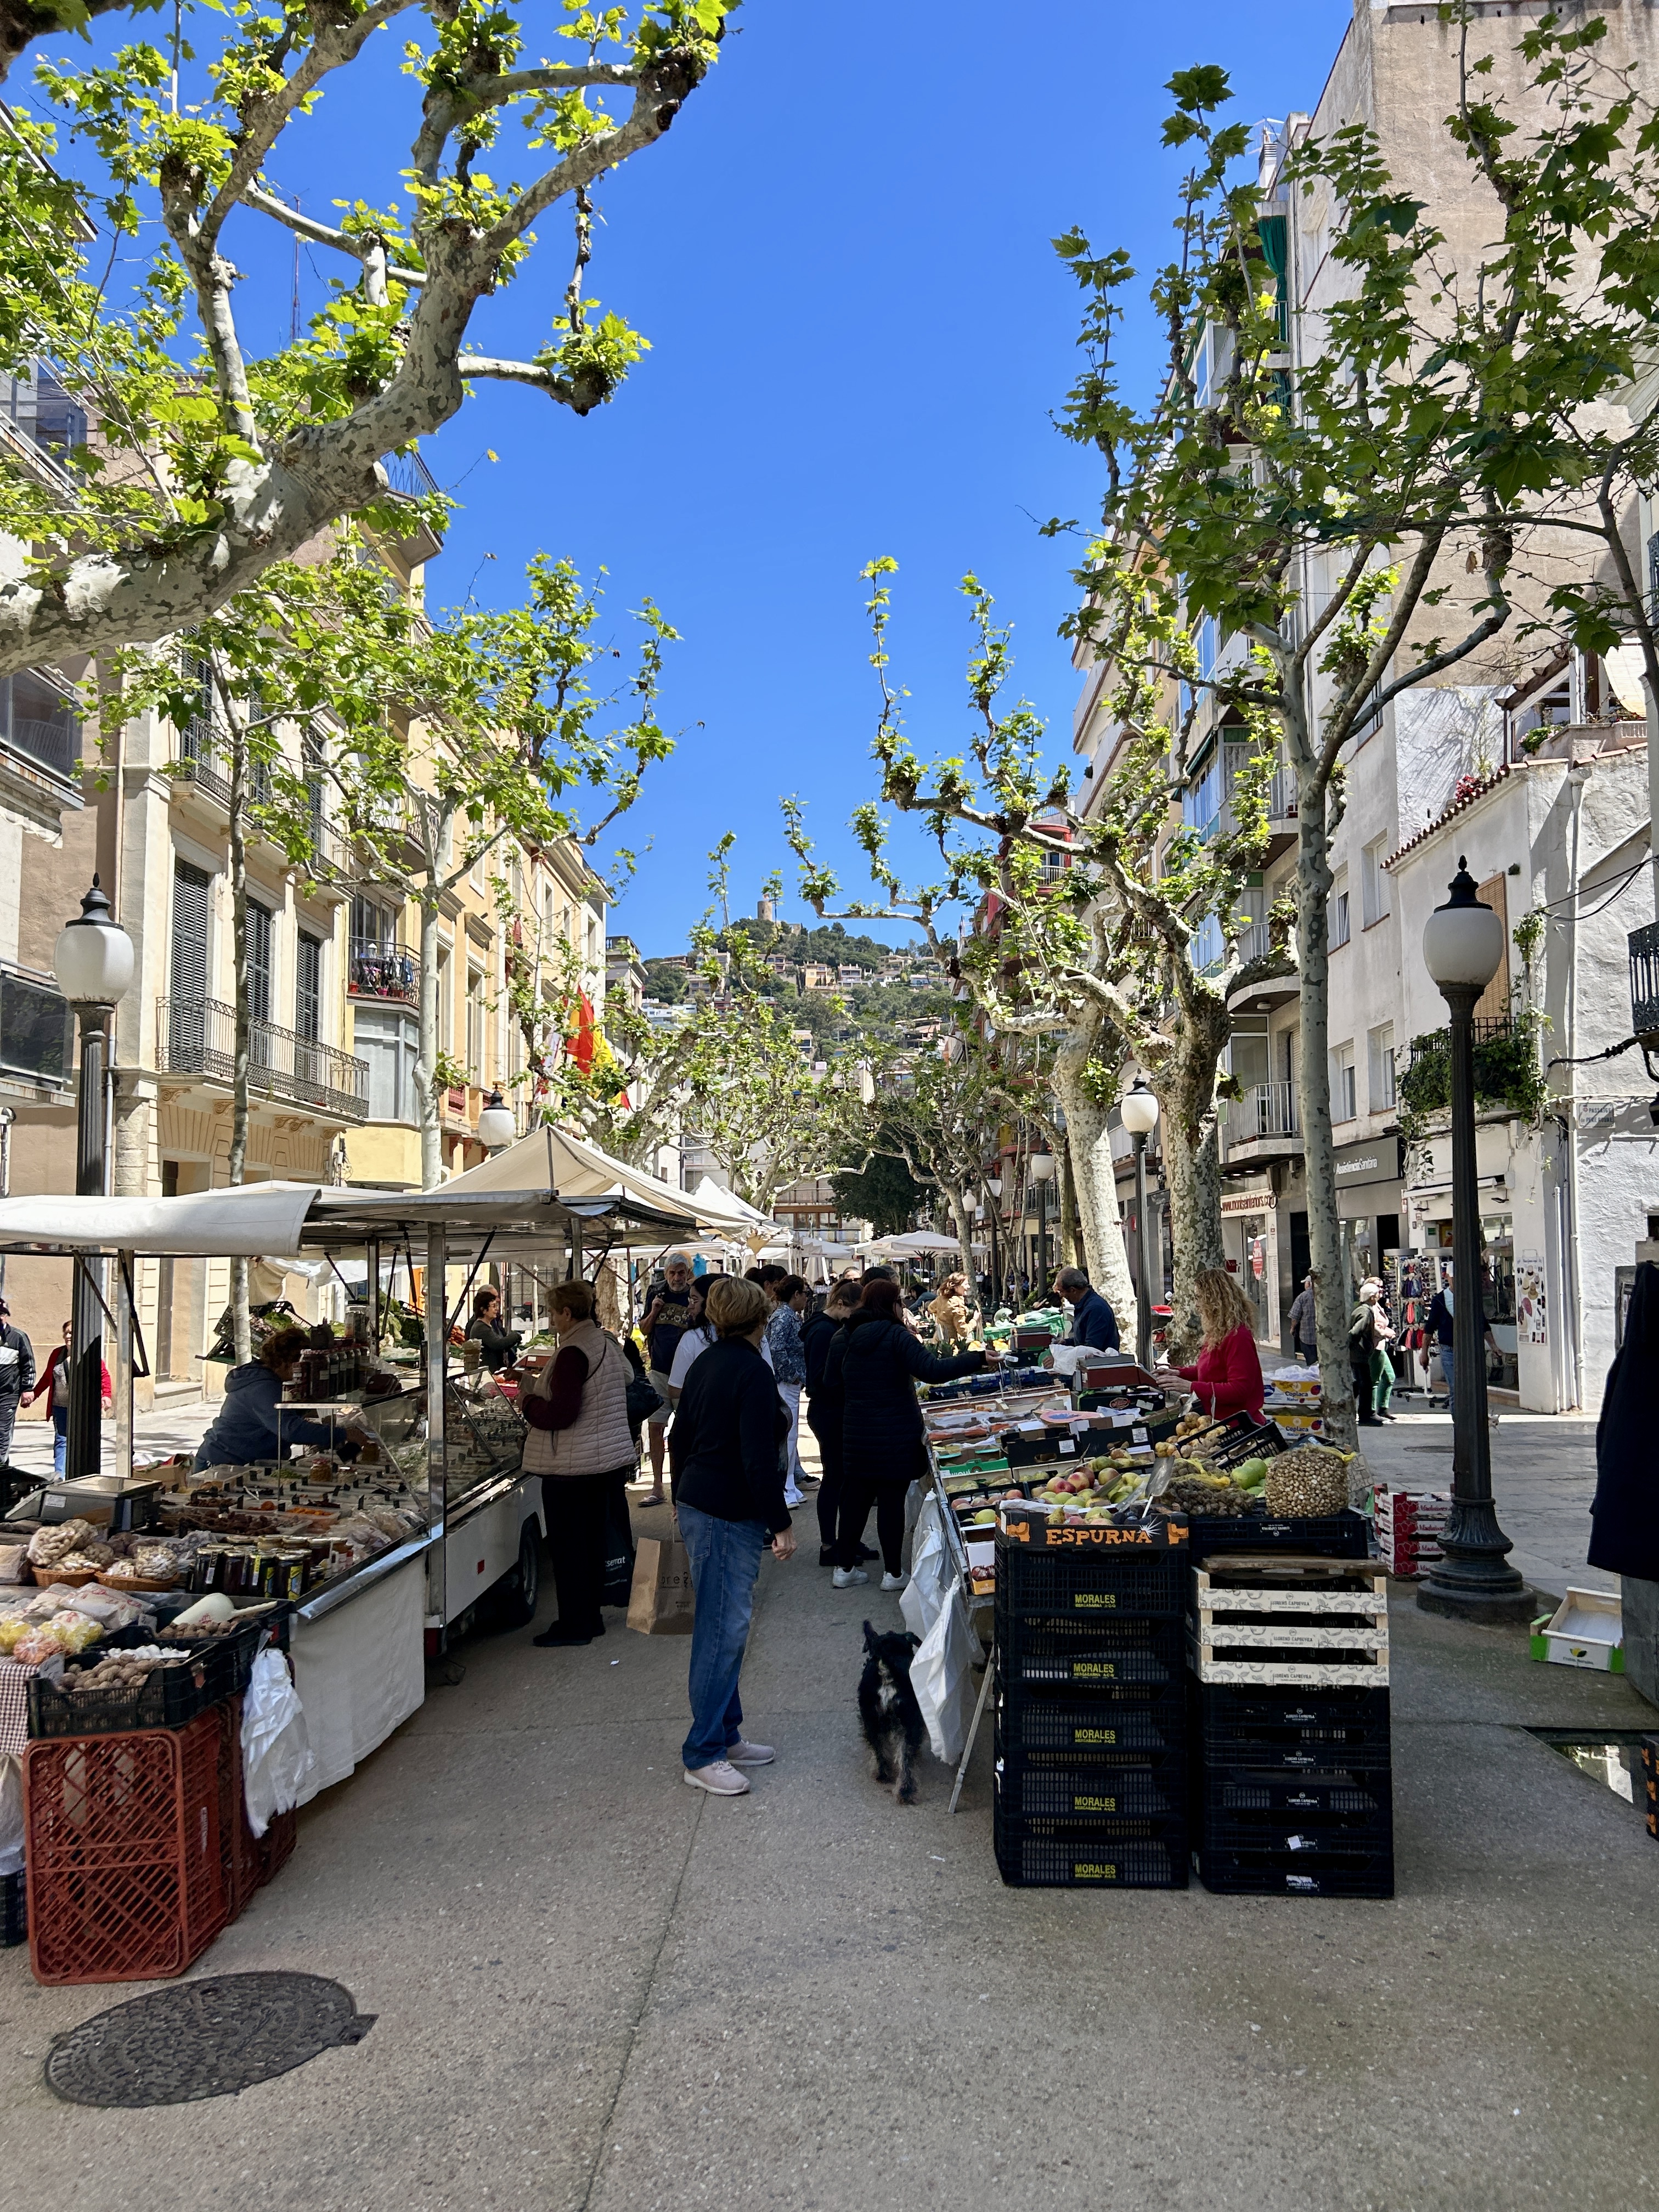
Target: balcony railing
(408, 473)
(1266, 1110)
(38, 721)
(197, 1036)
(1282, 805)
(380, 971)
(34, 1030)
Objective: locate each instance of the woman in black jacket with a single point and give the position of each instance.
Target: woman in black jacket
(879, 1365)
(501, 1344)
(824, 1410)
(724, 1449)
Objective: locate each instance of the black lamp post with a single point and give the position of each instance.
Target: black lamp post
(1140, 1116)
(93, 961)
(1462, 947)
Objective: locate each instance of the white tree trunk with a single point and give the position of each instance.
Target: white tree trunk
(1313, 888)
(237, 1162)
(1185, 1087)
(426, 1050)
(1097, 1184)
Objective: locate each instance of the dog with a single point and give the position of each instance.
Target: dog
(893, 1726)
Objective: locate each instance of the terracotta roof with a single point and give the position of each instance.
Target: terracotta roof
(1478, 789)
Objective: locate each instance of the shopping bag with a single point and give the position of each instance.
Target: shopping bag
(930, 1572)
(276, 1754)
(618, 1588)
(660, 1602)
(942, 1677)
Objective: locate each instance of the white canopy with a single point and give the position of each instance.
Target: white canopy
(723, 1208)
(240, 1223)
(910, 1246)
(575, 1169)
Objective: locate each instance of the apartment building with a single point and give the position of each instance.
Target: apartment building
(1538, 768)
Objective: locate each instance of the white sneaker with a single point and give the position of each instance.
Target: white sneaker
(849, 1578)
(894, 1582)
(750, 1755)
(794, 1497)
(720, 1777)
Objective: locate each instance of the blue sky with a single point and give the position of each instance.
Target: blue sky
(841, 256)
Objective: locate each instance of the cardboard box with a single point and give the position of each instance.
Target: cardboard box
(1586, 1629)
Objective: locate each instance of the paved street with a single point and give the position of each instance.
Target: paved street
(600, 1991)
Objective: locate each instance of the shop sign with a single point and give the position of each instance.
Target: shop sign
(1251, 1202)
(1382, 1162)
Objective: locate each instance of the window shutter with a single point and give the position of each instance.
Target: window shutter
(1493, 1004)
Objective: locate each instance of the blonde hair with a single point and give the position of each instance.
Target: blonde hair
(572, 1297)
(734, 1304)
(1222, 1306)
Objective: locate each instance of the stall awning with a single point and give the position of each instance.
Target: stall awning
(238, 1224)
(577, 1170)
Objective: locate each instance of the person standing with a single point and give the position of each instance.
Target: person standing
(695, 1340)
(1227, 1378)
(787, 1360)
(499, 1345)
(950, 1310)
(824, 1406)
(1093, 1322)
(580, 1443)
(877, 1364)
(1369, 1335)
(661, 1325)
(1304, 1335)
(17, 1376)
(725, 1452)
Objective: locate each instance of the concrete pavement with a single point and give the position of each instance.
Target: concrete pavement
(598, 1990)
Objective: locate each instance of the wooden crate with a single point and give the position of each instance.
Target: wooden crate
(1295, 1603)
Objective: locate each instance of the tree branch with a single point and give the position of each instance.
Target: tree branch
(322, 234)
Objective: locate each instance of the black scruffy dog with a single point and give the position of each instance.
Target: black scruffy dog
(893, 1726)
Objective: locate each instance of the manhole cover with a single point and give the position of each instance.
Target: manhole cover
(206, 2038)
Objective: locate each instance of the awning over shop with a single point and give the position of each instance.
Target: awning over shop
(242, 1222)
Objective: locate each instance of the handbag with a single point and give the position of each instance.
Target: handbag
(661, 1602)
(618, 1585)
(642, 1398)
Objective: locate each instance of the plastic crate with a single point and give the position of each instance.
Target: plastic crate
(1034, 1855)
(1079, 1587)
(1273, 1873)
(1027, 1789)
(1092, 1728)
(1096, 1654)
(168, 1698)
(1335, 1535)
(1228, 1791)
(125, 1872)
(1321, 1832)
(13, 1910)
(1306, 1730)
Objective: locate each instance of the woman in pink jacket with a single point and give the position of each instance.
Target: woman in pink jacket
(1228, 1376)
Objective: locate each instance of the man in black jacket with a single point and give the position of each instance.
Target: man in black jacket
(16, 1376)
(879, 1366)
(724, 1450)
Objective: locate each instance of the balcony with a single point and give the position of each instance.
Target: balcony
(1255, 943)
(1263, 1125)
(383, 971)
(1281, 812)
(411, 478)
(35, 1040)
(197, 1036)
(1645, 983)
(38, 720)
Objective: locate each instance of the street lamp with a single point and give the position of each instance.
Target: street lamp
(496, 1126)
(1040, 1168)
(93, 961)
(1462, 946)
(1139, 1114)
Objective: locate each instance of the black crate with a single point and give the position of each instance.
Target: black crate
(1279, 1873)
(1332, 1536)
(169, 1698)
(1229, 1792)
(1095, 1727)
(1087, 1654)
(1038, 1855)
(1028, 1788)
(228, 1659)
(1304, 1731)
(13, 1910)
(1078, 1586)
(1319, 1833)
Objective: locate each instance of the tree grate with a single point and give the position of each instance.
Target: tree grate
(211, 2038)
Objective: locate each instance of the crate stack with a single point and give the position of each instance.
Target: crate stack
(1091, 1726)
(1292, 1768)
(1409, 1527)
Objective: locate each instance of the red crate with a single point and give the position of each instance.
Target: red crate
(125, 1874)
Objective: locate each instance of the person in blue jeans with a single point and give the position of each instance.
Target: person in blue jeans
(725, 1454)
(54, 1388)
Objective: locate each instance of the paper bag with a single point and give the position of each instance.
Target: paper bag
(659, 1603)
